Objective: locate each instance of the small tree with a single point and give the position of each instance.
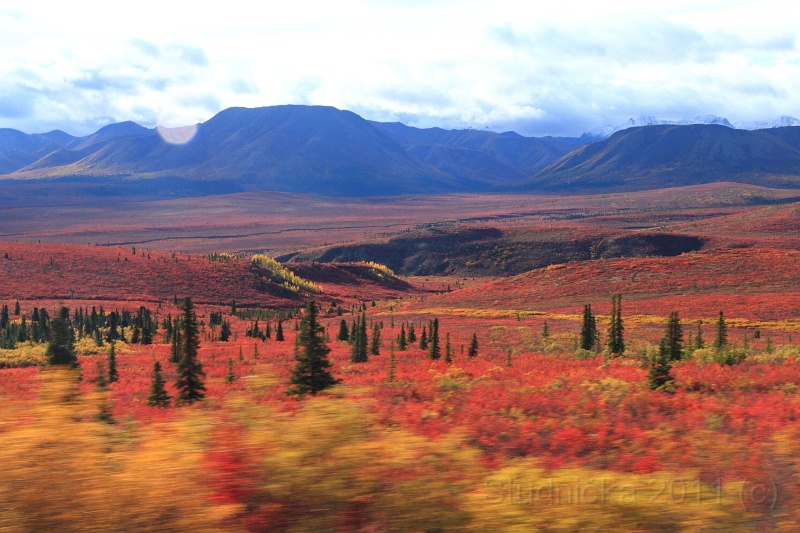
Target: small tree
(674, 337)
(448, 356)
(279, 332)
(358, 341)
(401, 338)
(412, 336)
(190, 374)
(375, 345)
(60, 349)
(225, 331)
(616, 342)
(722, 333)
(158, 396)
(588, 328)
(473, 346)
(699, 344)
(311, 374)
(434, 350)
(423, 339)
(659, 375)
(231, 377)
(344, 333)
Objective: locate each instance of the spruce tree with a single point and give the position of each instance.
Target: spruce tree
(722, 333)
(225, 331)
(390, 376)
(60, 349)
(699, 344)
(113, 375)
(545, 331)
(423, 339)
(190, 374)
(16, 308)
(279, 332)
(311, 374)
(375, 344)
(401, 338)
(434, 350)
(344, 333)
(473, 346)
(659, 374)
(674, 337)
(358, 352)
(448, 356)
(588, 328)
(158, 396)
(616, 342)
(411, 337)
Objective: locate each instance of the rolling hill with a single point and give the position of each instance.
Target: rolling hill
(653, 157)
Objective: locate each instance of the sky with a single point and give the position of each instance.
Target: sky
(538, 68)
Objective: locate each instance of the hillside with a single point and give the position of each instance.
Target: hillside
(654, 157)
(751, 283)
(73, 272)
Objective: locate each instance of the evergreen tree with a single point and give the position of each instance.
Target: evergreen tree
(190, 374)
(699, 344)
(588, 329)
(473, 346)
(448, 355)
(390, 376)
(158, 396)
(225, 331)
(674, 337)
(434, 350)
(311, 374)
(659, 374)
(411, 337)
(113, 375)
(401, 338)
(279, 332)
(175, 353)
(344, 334)
(16, 308)
(545, 331)
(375, 345)
(359, 341)
(60, 349)
(616, 342)
(423, 339)
(722, 333)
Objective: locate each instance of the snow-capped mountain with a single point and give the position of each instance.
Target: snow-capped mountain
(646, 120)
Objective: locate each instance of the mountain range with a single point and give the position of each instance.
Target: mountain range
(323, 150)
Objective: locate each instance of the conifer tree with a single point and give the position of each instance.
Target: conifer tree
(588, 329)
(359, 341)
(225, 331)
(659, 374)
(279, 332)
(673, 339)
(434, 350)
(448, 355)
(616, 342)
(16, 308)
(401, 338)
(699, 344)
(344, 333)
(311, 374)
(473, 346)
(545, 331)
(175, 353)
(722, 333)
(411, 337)
(60, 349)
(113, 375)
(423, 339)
(158, 396)
(375, 345)
(190, 374)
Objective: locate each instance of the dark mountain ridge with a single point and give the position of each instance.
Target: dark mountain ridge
(323, 150)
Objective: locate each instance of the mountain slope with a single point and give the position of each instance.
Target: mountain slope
(479, 156)
(667, 156)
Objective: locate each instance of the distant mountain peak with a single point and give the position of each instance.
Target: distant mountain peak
(649, 120)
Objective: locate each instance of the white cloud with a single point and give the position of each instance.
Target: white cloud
(557, 69)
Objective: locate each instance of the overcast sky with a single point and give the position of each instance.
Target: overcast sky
(537, 68)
